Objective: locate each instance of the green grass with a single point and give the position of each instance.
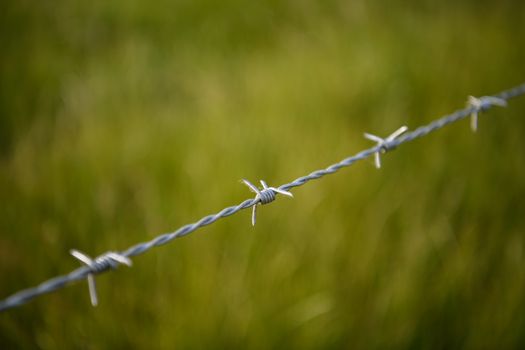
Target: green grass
(123, 120)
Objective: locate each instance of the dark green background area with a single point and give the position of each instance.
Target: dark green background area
(121, 120)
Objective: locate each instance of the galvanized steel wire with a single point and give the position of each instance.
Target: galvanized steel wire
(110, 260)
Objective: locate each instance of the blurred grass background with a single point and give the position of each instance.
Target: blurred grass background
(121, 120)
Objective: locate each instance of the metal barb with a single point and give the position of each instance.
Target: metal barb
(479, 104)
(100, 264)
(264, 196)
(383, 144)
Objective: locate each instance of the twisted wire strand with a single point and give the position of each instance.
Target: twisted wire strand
(59, 282)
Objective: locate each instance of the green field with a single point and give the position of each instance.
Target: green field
(121, 120)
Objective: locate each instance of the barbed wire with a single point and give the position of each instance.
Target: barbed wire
(110, 260)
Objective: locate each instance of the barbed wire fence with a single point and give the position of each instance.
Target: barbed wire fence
(110, 260)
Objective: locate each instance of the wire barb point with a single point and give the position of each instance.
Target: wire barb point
(264, 196)
(99, 264)
(384, 144)
(478, 104)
